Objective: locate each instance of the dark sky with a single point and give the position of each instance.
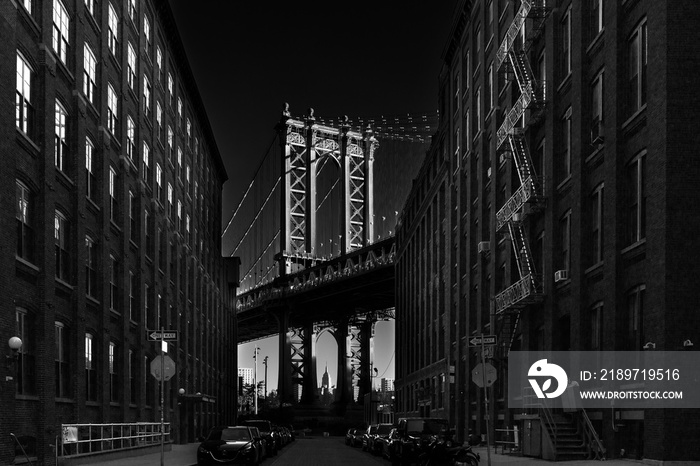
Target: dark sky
(361, 59)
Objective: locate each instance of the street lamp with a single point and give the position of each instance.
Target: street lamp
(372, 411)
(15, 343)
(265, 363)
(255, 378)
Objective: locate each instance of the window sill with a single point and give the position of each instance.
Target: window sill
(26, 397)
(64, 286)
(114, 61)
(596, 44)
(93, 404)
(636, 121)
(594, 270)
(27, 143)
(564, 185)
(566, 82)
(93, 23)
(64, 179)
(65, 71)
(92, 300)
(26, 266)
(596, 157)
(488, 44)
(115, 403)
(29, 19)
(92, 205)
(115, 313)
(564, 284)
(65, 400)
(635, 249)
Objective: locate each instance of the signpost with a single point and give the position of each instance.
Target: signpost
(162, 368)
(484, 368)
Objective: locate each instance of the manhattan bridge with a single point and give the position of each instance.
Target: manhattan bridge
(314, 232)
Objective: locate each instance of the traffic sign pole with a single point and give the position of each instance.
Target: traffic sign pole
(486, 402)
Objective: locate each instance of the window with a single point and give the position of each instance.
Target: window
(90, 7)
(27, 5)
(170, 145)
(24, 113)
(147, 230)
(566, 43)
(477, 110)
(62, 368)
(637, 49)
(189, 133)
(113, 373)
(159, 64)
(90, 369)
(146, 168)
(60, 142)
(596, 226)
(112, 30)
(147, 34)
(566, 141)
(133, 216)
(159, 183)
(130, 138)
(146, 306)
(24, 215)
(596, 326)
(132, 10)
(596, 17)
(91, 180)
(130, 65)
(147, 96)
(179, 164)
(488, 28)
(61, 24)
(636, 199)
(170, 201)
(490, 89)
(61, 241)
(91, 254)
(187, 229)
(170, 89)
(89, 74)
(565, 238)
(133, 304)
(635, 319)
(113, 204)
(477, 42)
(187, 177)
(113, 280)
(159, 122)
(597, 109)
(112, 109)
(26, 363)
(179, 113)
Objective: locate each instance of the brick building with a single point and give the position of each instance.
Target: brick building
(555, 207)
(110, 192)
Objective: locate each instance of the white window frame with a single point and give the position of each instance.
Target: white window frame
(112, 109)
(60, 141)
(112, 30)
(61, 31)
(24, 109)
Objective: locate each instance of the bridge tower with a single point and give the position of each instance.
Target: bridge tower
(304, 145)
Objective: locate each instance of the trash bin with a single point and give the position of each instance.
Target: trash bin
(532, 437)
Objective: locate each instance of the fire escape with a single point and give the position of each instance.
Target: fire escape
(512, 59)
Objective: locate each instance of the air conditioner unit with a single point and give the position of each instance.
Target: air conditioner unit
(561, 275)
(488, 172)
(484, 246)
(503, 157)
(517, 217)
(597, 132)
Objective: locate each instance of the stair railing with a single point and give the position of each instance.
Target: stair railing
(546, 414)
(21, 448)
(592, 439)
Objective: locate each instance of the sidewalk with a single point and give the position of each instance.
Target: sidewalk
(180, 455)
(497, 458)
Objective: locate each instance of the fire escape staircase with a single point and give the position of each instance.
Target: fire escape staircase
(512, 58)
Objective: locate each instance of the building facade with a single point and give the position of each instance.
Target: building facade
(246, 375)
(111, 219)
(553, 209)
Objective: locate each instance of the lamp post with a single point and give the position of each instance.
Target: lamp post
(265, 363)
(15, 343)
(372, 411)
(255, 379)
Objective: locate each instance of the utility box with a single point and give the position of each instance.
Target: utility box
(532, 437)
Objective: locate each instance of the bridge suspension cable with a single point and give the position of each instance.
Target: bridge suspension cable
(250, 227)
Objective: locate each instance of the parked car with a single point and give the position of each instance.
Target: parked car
(373, 444)
(354, 437)
(414, 436)
(387, 444)
(263, 443)
(367, 435)
(267, 433)
(350, 436)
(292, 432)
(230, 445)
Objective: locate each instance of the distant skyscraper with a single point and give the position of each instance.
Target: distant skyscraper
(387, 385)
(325, 381)
(247, 374)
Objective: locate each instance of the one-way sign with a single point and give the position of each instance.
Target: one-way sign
(167, 335)
(485, 339)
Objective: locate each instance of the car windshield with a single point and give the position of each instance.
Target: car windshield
(230, 434)
(372, 430)
(263, 426)
(384, 429)
(430, 427)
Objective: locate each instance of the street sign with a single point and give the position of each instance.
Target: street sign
(484, 374)
(168, 368)
(165, 335)
(483, 339)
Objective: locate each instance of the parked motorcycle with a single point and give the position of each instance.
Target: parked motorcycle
(441, 452)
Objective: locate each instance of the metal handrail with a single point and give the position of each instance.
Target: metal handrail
(21, 448)
(594, 442)
(549, 420)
